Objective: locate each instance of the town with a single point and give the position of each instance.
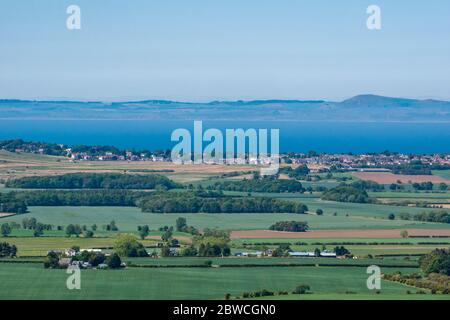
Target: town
(315, 161)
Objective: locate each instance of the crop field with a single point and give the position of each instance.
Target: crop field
(411, 195)
(29, 246)
(335, 241)
(387, 177)
(358, 209)
(128, 218)
(32, 281)
(364, 229)
(15, 165)
(359, 296)
(445, 174)
(357, 233)
(270, 261)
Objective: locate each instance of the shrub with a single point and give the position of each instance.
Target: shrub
(301, 289)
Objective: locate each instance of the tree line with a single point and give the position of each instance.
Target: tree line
(122, 198)
(441, 216)
(189, 202)
(347, 194)
(290, 226)
(94, 181)
(260, 185)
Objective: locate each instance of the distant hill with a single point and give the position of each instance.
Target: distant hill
(358, 108)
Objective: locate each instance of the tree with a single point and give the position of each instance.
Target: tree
(292, 226)
(347, 193)
(39, 230)
(319, 212)
(404, 234)
(70, 229)
(127, 245)
(317, 252)
(443, 186)
(112, 226)
(437, 261)
(166, 236)
(341, 251)
(181, 224)
(51, 260)
(394, 186)
(391, 216)
(189, 251)
(301, 289)
(165, 251)
(88, 234)
(5, 229)
(143, 231)
(114, 261)
(7, 250)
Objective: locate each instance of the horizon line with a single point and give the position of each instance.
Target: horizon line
(118, 100)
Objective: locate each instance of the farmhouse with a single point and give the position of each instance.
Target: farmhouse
(324, 254)
(64, 262)
(70, 252)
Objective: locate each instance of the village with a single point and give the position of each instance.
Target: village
(315, 161)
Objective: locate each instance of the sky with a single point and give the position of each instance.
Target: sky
(203, 50)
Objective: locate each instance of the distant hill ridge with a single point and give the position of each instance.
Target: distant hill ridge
(365, 107)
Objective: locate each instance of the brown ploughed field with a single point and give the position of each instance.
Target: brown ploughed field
(387, 177)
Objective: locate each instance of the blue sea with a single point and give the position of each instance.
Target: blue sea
(294, 136)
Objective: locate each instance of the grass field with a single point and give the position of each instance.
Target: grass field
(29, 246)
(32, 281)
(14, 165)
(442, 173)
(128, 218)
(187, 277)
(268, 261)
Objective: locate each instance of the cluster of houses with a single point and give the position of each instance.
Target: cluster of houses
(295, 254)
(315, 161)
(110, 156)
(237, 161)
(66, 259)
(360, 162)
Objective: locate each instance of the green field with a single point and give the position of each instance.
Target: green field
(412, 195)
(268, 261)
(188, 277)
(32, 281)
(30, 246)
(127, 218)
(442, 173)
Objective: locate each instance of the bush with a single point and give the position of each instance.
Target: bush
(266, 184)
(51, 260)
(93, 181)
(127, 246)
(347, 194)
(437, 261)
(292, 226)
(7, 250)
(301, 289)
(114, 261)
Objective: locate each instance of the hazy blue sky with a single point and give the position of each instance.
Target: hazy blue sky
(223, 49)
